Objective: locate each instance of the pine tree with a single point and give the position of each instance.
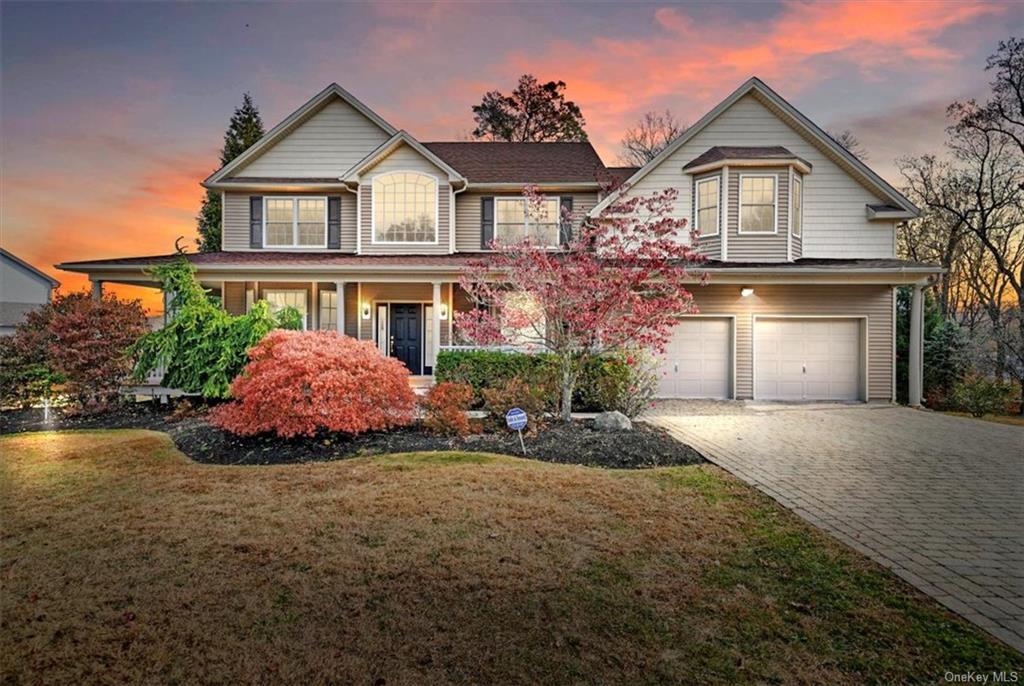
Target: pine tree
(244, 129)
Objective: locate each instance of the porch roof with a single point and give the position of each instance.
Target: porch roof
(276, 261)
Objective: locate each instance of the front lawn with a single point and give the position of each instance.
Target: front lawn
(122, 561)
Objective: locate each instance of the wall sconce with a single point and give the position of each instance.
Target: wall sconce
(366, 310)
(746, 291)
(444, 311)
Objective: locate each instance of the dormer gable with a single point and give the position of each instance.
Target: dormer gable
(321, 140)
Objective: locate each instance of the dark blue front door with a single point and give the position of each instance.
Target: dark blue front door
(406, 336)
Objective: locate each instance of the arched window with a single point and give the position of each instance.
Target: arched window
(405, 208)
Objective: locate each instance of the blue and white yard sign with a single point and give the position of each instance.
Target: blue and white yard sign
(516, 419)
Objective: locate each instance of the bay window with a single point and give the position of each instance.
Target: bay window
(758, 196)
(798, 206)
(515, 221)
(707, 207)
(295, 222)
(405, 208)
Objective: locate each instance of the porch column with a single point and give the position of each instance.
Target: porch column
(435, 324)
(339, 300)
(915, 360)
(97, 290)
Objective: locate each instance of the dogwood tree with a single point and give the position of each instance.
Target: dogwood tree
(618, 283)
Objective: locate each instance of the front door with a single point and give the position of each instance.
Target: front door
(406, 339)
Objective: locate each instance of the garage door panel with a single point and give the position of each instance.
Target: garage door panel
(807, 359)
(698, 360)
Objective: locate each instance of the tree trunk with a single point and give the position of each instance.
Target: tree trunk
(568, 385)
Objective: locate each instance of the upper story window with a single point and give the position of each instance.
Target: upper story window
(516, 221)
(707, 206)
(797, 193)
(758, 198)
(295, 222)
(405, 208)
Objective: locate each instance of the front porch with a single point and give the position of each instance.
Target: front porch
(409, 320)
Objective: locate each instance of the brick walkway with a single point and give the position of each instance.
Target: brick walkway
(937, 499)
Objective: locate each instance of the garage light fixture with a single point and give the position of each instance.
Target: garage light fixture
(746, 291)
(366, 310)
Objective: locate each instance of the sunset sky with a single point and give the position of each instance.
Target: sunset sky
(113, 113)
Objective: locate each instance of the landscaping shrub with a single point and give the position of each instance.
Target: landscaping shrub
(202, 347)
(297, 383)
(515, 392)
(625, 384)
(605, 383)
(980, 395)
(77, 341)
(482, 369)
(445, 407)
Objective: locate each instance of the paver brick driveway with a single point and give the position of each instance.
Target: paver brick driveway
(937, 499)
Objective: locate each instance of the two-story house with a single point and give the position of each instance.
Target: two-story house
(365, 229)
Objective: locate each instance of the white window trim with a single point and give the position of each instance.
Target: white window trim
(798, 226)
(295, 222)
(526, 215)
(437, 208)
(697, 208)
(775, 205)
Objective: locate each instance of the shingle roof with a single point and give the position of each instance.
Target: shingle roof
(494, 162)
(730, 152)
(620, 174)
(257, 259)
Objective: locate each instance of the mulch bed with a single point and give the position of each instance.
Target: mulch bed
(577, 443)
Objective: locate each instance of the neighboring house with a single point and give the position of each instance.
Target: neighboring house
(23, 288)
(365, 229)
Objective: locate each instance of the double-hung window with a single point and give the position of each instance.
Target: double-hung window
(798, 206)
(279, 299)
(757, 203)
(295, 222)
(405, 208)
(516, 220)
(707, 206)
(328, 320)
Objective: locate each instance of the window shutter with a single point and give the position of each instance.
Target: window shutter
(565, 235)
(334, 222)
(256, 221)
(486, 222)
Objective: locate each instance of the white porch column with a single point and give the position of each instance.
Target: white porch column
(915, 360)
(97, 290)
(435, 324)
(339, 300)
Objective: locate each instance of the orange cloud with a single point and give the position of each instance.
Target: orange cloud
(689, 65)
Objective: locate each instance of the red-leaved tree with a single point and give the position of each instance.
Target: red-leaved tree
(299, 382)
(618, 283)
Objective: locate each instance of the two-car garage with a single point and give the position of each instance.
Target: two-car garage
(767, 357)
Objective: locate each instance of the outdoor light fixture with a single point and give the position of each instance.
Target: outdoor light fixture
(444, 311)
(366, 310)
(746, 291)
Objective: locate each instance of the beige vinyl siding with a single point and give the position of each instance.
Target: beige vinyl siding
(325, 145)
(874, 302)
(405, 158)
(467, 215)
(235, 236)
(835, 224)
(766, 247)
(234, 297)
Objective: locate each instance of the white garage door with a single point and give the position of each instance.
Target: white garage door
(697, 360)
(807, 359)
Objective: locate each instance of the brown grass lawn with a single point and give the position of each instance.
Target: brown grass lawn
(1011, 419)
(124, 562)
